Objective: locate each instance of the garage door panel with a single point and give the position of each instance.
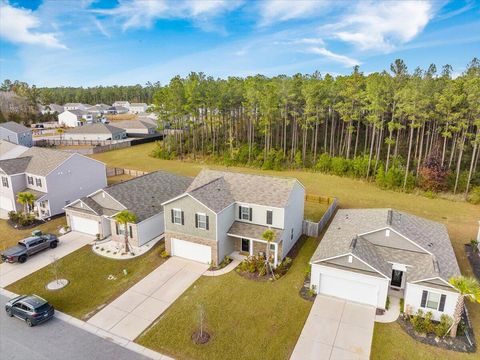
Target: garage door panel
(348, 289)
(87, 226)
(191, 251)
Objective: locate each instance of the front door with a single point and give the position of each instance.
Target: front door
(397, 278)
(246, 245)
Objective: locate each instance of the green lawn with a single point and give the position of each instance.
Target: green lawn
(10, 236)
(246, 319)
(314, 211)
(460, 218)
(112, 180)
(89, 289)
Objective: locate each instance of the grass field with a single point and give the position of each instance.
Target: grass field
(10, 236)
(89, 289)
(460, 218)
(112, 180)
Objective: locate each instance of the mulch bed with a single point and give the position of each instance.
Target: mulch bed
(16, 226)
(221, 266)
(474, 259)
(305, 290)
(200, 338)
(460, 343)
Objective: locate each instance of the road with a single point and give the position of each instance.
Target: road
(55, 339)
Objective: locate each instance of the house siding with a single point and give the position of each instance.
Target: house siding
(150, 228)
(293, 217)
(225, 220)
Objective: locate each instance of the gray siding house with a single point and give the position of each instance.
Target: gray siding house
(16, 133)
(224, 212)
(97, 131)
(54, 177)
(144, 195)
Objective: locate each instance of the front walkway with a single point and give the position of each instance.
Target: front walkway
(10, 273)
(336, 329)
(393, 312)
(132, 312)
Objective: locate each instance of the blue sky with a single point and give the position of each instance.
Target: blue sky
(87, 42)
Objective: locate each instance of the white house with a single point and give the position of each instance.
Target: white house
(124, 104)
(97, 131)
(16, 133)
(137, 108)
(95, 213)
(366, 252)
(54, 177)
(74, 118)
(52, 109)
(76, 106)
(224, 212)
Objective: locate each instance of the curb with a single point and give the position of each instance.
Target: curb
(127, 344)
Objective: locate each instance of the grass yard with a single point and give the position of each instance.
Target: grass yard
(460, 218)
(112, 180)
(10, 236)
(89, 289)
(246, 319)
(314, 211)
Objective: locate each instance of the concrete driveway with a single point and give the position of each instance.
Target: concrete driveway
(9, 273)
(131, 313)
(336, 329)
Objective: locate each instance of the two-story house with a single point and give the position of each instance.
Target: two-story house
(137, 108)
(16, 133)
(224, 212)
(74, 118)
(54, 177)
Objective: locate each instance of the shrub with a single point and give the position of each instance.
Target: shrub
(474, 245)
(474, 196)
(402, 305)
(428, 325)
(387, 305)
(433, 175)
(443, 326)
(324, 163)
(164, 254)
(13, 216)
(417, 321)
(340, 166)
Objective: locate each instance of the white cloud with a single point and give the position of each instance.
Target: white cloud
(17, 25)
(382, 26)
(342, 59)
(143, 13)
(283, 10)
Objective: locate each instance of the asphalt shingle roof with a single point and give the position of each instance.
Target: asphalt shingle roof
(44, 160)
(134, 124)
(97, 128)
(14, 166)
(15, 127)
(252, 231)
(247, 188)
(429, 235)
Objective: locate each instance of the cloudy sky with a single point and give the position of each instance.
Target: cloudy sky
(88, 42)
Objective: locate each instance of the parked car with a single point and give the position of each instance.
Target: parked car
(30, 308)
(29, 246)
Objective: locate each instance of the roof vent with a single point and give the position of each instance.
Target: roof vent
(354, 242)
(430, 245)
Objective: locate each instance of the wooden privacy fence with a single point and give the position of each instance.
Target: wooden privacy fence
(311, 228)
(114, 171)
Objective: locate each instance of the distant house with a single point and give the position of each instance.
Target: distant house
(124, 104)
(98, 131)
(10, 150)
(136, 108)
(16, 133)
(76, 106)
(136, 127)
(120, 109)
(51, 109)
(98, 110)
(74, 118)
(54, 177)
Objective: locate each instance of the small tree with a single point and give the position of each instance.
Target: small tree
(54, 267)
(468, 287)
(60, 132)
(125, 217)
(26, 199)
(268, 235)
(433, 175)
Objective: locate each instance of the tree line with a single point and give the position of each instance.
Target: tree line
(399, 128)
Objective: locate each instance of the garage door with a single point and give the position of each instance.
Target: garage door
(347, 289)
(6, 203)
(192, 251)
(83, 225)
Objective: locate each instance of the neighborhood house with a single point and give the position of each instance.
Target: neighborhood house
(365, 253)
(224, 212)
(97, 131)
(16, 133)
(136, 127)
(143, 196)
(74, 118)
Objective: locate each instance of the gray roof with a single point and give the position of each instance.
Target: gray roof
(252, 231)
(14, 166)
(78, 112)
(10, 150)
(44, 160)
(134, 124)
(344, 236)
(14, 127)
(218, 189)
(97, 128)
(145, 194)
(37, 194)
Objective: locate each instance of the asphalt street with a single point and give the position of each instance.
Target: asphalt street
(54, 340)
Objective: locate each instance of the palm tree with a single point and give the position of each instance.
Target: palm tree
(26, 199)
(268, 235)
(125, 217)
(468, 287)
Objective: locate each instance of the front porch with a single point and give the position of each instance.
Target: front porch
(248, 241)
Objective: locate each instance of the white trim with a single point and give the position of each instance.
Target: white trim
(329, 258)
(426, 302)
(180, 210)
(349, 272)
(80, 200)
(349, 254)
(434, 278)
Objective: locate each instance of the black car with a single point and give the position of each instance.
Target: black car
(30, 308)
(29, 246)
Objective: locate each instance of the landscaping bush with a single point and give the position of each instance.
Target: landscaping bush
(474, 196)
(387, 305)
(402, 305)
(13, 216)
(324, 163)
(443, 326)
(340, 166)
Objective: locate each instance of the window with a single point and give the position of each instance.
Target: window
(245, 213)
(30, 180)
(5, 181)
(177, 216)
(433, 300)
(38, 182)
(291, 234)
(201, 221)
(269, 217)
(272, 247)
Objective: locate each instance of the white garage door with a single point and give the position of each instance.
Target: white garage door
(192, 251)
(352, 290)
(6, 203)
(83, 225)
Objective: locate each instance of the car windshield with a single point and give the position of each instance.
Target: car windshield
(22, 244)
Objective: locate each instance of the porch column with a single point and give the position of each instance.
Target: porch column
(275, 260)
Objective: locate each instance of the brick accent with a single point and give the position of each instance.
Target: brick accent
(194, 239)
(121, 238)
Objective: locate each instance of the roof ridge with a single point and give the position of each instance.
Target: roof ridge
(208, 183)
